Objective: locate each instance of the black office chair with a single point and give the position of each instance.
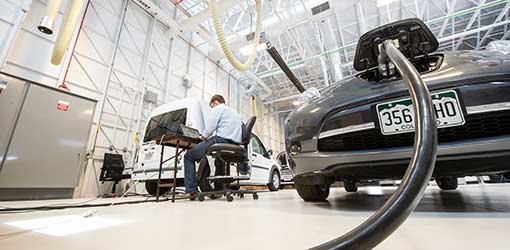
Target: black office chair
(113, 166)
(231, 153)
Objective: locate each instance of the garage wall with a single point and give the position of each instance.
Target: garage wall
(146, 59)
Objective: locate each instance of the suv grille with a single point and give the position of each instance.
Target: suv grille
(477, 126)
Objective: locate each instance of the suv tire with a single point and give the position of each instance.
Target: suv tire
(313, 192)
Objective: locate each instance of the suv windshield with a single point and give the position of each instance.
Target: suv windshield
(165, 124)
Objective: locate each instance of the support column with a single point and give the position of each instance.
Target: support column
(143, 81)
(91, 153)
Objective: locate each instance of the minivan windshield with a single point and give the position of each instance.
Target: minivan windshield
(167, 123)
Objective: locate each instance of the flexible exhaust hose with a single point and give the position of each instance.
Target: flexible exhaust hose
(223, 40)
(400, 205)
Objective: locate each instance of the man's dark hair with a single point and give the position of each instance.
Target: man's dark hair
(218, 98)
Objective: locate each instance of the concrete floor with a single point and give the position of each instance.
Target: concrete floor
(474, 217)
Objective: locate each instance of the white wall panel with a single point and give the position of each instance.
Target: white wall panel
(9, 12)
(89, 70)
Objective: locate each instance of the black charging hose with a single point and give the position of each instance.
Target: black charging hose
(400, 205)
(285, 68)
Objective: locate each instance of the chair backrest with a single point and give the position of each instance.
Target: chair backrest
(113, 166)
(247, 128)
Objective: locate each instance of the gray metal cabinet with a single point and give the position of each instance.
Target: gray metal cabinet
(48, 141)
(11, 100)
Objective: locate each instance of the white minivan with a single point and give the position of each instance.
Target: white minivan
(192, 112)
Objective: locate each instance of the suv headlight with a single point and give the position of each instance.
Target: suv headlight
(499, 46)
(309, 94)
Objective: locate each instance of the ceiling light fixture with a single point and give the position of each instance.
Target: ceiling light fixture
(246, 50)
(381, 3)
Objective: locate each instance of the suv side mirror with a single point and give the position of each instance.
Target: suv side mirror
(270, 152)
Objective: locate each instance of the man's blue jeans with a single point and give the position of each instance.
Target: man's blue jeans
(195, 155)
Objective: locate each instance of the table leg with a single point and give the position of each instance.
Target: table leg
(160, 170)
(176, 160)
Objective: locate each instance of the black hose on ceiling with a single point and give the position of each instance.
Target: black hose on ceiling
(285, 68)
(400, 205)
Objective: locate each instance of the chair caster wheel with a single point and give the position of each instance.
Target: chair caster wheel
(255, 196)
(230, 198)
(201, 198)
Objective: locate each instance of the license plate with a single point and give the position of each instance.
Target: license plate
(148, 155)
(397, 117)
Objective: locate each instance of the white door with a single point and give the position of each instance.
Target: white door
(260, 161)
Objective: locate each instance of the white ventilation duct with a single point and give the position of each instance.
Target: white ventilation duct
(67, 27)
(50, 16)
(66, 31)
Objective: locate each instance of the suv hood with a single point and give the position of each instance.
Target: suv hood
(457, 68)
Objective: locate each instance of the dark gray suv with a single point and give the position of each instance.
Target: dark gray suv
(362, 127)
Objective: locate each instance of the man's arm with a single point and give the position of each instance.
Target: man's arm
(211, 124)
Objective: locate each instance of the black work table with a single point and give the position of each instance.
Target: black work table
(179, 142)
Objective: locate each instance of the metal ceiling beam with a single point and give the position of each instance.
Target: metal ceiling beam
(154, 10)
(470, 24)
(202, 16)
(291, 25)
(498, 19)
(450, 8)
(473, 31)
(282, 99)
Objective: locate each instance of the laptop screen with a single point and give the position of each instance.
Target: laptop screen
(167, 123)
(189, 132)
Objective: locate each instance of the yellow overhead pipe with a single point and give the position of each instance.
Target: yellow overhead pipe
(66, 31)
(50, 16)
(262, 120)
(223, 40)
(251, 107)
(253, 111)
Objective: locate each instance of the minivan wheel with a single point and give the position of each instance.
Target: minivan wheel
(152, 187)
(205, 184)
(274, 183)
(312, 192)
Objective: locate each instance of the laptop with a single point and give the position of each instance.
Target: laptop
(190, 132)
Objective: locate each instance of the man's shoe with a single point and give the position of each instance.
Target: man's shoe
(193, 196)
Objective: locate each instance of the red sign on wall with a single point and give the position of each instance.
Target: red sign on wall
(63, 106)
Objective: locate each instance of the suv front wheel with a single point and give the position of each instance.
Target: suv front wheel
(447, 183)
(350, 186)
(313, 192)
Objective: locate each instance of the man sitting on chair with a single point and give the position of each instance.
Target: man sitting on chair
(223, 125)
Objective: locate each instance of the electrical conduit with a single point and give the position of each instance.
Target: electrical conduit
(223, 40)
